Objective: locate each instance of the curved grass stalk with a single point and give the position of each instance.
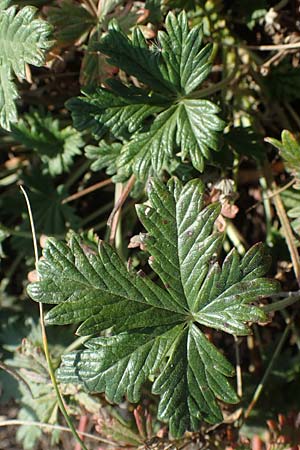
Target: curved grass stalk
(59, 397)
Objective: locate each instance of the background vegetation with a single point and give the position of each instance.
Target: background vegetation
(87, 116)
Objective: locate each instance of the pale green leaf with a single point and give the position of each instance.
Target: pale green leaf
(55, 146)
(8, 95)
(23, 40)
(289, 147)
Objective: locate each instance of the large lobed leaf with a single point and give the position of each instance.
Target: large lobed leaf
(155, 332)
(164, 118)
(23, 40)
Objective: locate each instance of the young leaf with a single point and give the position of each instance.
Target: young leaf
(56, 147)
(156, 331)
(23, 40)
(167, 117)
(289, 147)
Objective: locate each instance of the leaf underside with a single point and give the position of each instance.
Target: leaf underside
(155, 332)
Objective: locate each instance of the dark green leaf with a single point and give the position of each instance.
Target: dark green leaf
(105, 110)
(72, 21)
(55, 146)
(155, 332)
(173, 69)
(245, 141)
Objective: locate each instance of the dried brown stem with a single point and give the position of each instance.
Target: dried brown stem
(113, 219)
(287, 230)
(87, 190)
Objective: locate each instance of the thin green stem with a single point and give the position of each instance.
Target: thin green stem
(215, 87)
(77, 174)
(267, 209)
(44, 335)
(118, 218)
(236, 238)
(77, 343)
(282, 304)
(24, 234)
(263, 381)
(97, 213)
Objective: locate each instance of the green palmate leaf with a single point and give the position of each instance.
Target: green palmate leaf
(55, 146)
(102, 110)
(190, 126)
(156, 331)
(164, 118)
(23, 40)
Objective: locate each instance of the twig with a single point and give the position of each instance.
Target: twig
(59, 397)
(112, 223)
(87, 190)
(287, 230)
(115, 229)
(261, 385)
(270, 196)
(81, 428)
(15, 422)
(264, 48)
